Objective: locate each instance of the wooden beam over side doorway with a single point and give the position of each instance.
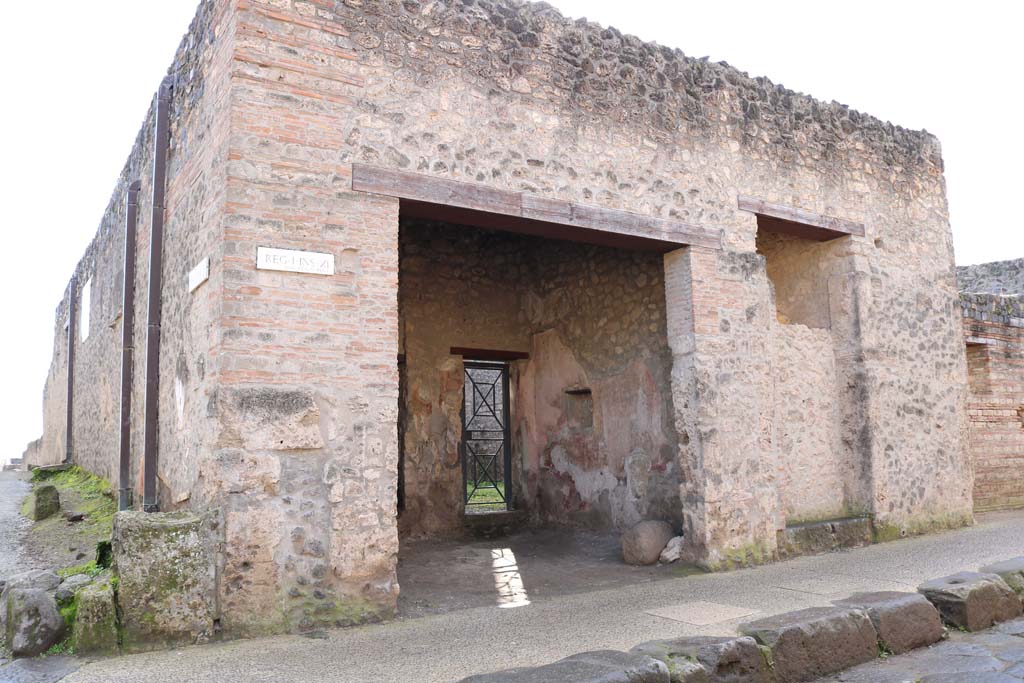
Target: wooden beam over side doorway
(798, 222)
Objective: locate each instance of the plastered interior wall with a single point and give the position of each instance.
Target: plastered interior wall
(592, 319)
(994, 327)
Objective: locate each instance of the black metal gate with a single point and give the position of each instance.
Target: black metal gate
(486, 455)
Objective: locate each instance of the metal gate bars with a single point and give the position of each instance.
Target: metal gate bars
(486, 455)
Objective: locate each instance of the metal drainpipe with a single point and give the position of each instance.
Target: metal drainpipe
(152, 401)
(124, 498)
(72, 331)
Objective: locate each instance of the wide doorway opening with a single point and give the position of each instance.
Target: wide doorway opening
(536, 415)
(536, 383)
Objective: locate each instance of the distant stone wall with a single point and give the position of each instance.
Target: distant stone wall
(997, 277)
(994, 328)
(195, 190)
(31, 455)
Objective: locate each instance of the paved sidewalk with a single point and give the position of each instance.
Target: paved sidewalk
(993, 656)
(447, 647)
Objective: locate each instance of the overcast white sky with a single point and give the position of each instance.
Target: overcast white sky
(78, 85)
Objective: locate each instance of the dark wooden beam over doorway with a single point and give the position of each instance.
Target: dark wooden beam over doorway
(489, 354)
(798, 222)
(452, 201)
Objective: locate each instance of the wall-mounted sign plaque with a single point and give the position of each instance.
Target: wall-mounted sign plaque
(268, 258)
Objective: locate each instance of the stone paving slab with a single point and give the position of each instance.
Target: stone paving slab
(38, 670)
(701, 612)
(972, 600)
(904, 621)
(994, 656)
(606, 666)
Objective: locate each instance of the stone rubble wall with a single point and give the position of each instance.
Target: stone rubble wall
(592, 319)
(288, 423)
(31, 454)
(815, 479)
(997, 277)
(516, 97)
(994, 328)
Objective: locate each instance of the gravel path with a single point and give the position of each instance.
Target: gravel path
(13, 489)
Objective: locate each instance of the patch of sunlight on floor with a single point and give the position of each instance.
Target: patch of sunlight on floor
(507, 581)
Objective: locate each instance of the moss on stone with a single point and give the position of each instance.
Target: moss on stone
(96, 628)
(886, 531)
(747, 555)
(309, 614)
(883, 533)
(83, 492)
(90, 568)
(165, 588)
(688, 570)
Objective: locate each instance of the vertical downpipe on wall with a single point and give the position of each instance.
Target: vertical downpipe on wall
(69, 419)
(124, 486)
(154, 304)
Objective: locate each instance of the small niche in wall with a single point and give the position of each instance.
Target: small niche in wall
(579, 407)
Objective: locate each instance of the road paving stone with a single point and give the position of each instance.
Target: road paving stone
(995, 656)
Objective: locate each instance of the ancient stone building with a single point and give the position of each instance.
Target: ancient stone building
(992, 297)
(532, 267)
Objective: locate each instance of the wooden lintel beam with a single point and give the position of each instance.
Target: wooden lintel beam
(489, 354)
(427, 189)
(813, 225)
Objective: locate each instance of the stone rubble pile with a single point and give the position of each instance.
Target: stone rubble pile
(36, 610)
(151, 588)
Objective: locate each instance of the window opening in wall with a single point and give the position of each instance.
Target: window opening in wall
(84, 308)
(799, 257)
(486, 454)
(798, 271)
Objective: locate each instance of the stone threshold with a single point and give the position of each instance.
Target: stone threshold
(812, 538)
